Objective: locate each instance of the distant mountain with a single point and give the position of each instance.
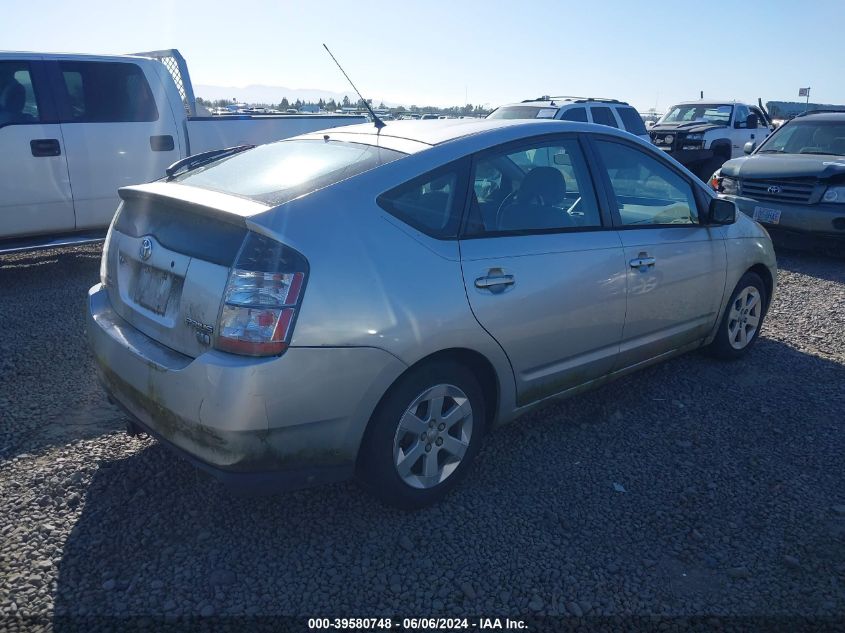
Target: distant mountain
(272, 94)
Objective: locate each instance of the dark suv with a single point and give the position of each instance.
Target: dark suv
(794, 182)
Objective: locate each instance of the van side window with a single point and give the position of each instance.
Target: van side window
(632, 121)
(17, 97)
(575, 114)
(603, 116)
(107, 92)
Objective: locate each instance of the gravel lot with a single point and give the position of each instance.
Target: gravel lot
(692, 488)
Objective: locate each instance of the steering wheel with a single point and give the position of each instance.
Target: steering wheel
(506, 200)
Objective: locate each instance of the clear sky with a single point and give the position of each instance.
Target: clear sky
(436, 52)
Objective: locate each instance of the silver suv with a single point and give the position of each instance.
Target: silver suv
(372, 303)
(610, 112)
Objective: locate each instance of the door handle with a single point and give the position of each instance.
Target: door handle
(163, 143)
(642, 262)
(494, 282)
(45, 147)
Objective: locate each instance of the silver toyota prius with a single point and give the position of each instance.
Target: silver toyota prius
(370, 303)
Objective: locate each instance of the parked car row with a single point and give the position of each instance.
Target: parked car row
(792, 181)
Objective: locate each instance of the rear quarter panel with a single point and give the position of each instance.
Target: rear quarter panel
(375, 281)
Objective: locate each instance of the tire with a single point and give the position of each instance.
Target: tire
(738, 332)
(708, 167)
(409, 457)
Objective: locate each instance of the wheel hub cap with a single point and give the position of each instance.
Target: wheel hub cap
(744, 317)
(433, 436)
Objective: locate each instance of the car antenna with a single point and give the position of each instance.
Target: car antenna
(376, 121)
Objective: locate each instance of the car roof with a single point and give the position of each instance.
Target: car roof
(711, 101)
(829, 115)
(565, 101)
(473, 135)
(434, 131)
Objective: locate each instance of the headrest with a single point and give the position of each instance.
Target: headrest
(546, 183)
(13, 97)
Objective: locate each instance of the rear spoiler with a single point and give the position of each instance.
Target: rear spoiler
(223, 206)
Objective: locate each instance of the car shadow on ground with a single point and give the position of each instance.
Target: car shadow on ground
(677, 490)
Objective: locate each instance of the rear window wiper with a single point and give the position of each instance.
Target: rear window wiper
(203, 158)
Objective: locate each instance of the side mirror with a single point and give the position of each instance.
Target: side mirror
(720, 212)
(751, 122)
(749, 147)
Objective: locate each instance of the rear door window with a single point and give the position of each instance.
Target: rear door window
(106, 92)
(575, 114)
(18, 103)
(541, 187)
(631, 120)
(603, 116)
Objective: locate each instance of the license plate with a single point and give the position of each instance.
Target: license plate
(153, 289)
(769, 216)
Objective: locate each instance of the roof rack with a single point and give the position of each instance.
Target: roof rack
(821, 111)
(574, 99)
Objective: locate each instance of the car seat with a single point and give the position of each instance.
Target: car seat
(12, 101)
(532, 206)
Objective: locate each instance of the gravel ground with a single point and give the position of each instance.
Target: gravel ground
(692, 488)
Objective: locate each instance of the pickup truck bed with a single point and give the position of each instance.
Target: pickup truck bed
(75, 128)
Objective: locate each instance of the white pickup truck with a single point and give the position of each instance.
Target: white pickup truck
(74, 128)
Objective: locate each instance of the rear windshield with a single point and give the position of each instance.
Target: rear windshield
(279, 172)
(523, 112)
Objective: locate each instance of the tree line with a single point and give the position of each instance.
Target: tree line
(333, 106)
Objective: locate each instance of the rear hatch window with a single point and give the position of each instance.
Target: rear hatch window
(279, 172)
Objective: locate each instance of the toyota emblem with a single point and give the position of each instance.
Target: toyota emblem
(773, 189)
(146, 248)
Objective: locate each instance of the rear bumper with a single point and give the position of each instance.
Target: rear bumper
(286, 421)
(824, 221)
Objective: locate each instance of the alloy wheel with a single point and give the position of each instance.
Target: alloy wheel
(744, 317)
(433, 436)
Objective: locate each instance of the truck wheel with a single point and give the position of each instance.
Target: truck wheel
(423, 436)
(706, 169)
(742, 320)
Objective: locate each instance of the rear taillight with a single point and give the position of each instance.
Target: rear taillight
(262, 296)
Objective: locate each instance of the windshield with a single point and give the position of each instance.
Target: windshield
(523, 112)
(279, 172)
(720, 114)
(807, 137)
